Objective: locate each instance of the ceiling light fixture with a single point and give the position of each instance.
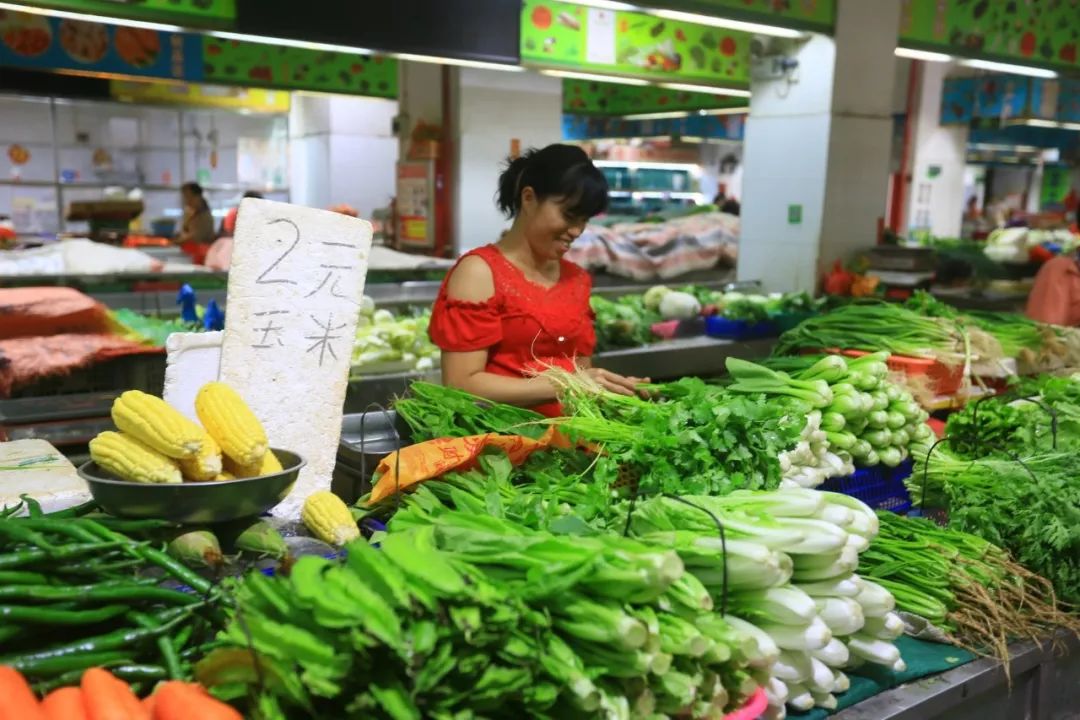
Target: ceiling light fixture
(645, 165)
(289, 42)
(750, 27)
(1009, 68)
(734, 92)
(674, 115)
(913, 54)
(608, 5)
(460, 63)
(594, 78)
(87, 17)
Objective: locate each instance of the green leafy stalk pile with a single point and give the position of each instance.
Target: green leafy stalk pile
(467, 616)
(692, 438)
(435, 411)
(878, 326)
(1021, 422)
(625, 322)
(1030, 508)
(963, 584)
(1016, 333)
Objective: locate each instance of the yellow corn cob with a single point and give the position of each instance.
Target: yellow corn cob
(230, 421)
(224, 476)
(129, 459)
(329, 519)
(206, 465)
(151, 421)
(267, 466)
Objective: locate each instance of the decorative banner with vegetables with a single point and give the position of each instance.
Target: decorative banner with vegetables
(721, 127)
(201, 13)
(243, 63)
(1032, 33)
(561, 34)
(817, 15)
(585, 97)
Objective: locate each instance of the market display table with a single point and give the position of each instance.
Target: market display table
(1045, 686)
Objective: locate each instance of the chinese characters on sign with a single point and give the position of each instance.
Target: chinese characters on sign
(295, 286)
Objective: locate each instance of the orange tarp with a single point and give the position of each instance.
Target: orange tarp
(431, 459)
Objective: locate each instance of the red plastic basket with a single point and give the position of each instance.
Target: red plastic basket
(753, 708)
(946, 380)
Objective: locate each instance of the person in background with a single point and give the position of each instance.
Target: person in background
(1055, 297)
(731, 206)
(228, 225)
(508, 311)
(720, 199)
(197, 230)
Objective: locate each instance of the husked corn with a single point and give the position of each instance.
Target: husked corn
(329, 519)
(204, 465)
(267, 466)
(129, 459)
(231, 423)
(151, 421)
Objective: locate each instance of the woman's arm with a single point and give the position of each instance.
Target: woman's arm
(613, 382)
(472, 281)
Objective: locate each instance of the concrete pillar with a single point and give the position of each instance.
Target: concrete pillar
(817, 151)
(935, 198)
(494, 111)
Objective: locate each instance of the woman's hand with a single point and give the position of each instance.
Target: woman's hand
(613, 382)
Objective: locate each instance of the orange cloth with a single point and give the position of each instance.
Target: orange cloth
(1055, 298)
(28, 359)
(431, 459)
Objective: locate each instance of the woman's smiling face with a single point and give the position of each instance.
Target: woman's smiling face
(550, 228)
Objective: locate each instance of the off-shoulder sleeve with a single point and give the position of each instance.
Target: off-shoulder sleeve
(586, 344)
(462, 326)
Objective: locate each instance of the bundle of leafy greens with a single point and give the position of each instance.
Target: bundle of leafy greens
(963, 584)
(435, 411)
(1016, 333)
(1029, 506)
(625, 322)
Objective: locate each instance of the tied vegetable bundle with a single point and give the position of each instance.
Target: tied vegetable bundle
(1027, 506)
(864, 417)
(465, 614)
(963, 584)
(77, 592)
(784, 572)
(879, 326)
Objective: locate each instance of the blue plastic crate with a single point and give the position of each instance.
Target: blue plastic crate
(722, 327)
(880, 487)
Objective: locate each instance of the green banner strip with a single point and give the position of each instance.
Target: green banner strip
(585, 97)
(577, 38)
(815, 15)
(187, 13)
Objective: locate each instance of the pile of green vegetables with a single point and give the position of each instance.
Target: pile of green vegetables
(963, 584)
(624, 322)
(876, 326)
(1016, 333)
(782, 574)
(1027, 505)
(461, 615)
(385, 341)
(865, 417)
(78, 592)
(150, 330)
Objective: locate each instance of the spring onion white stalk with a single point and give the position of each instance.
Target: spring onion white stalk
(886, 627)
(776, 691)
(821, 677)
(818, 536)
(844, 616)
(842, 684)
(814, 636)
(799, 698)
(837, 587)
(793, 667)
(875, 600)
(872, 650)
(825, 700)
(835, 654)
(767, 650)
(787, 605)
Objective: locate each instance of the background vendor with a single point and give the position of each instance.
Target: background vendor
(197, 232)
(1055, 296)
(510, 310)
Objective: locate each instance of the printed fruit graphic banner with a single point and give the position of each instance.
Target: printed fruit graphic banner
(200, 13)
(573, 37)
(45, 43)
(1030, 32)
(39, 42)
(233, 62)
(585, 97)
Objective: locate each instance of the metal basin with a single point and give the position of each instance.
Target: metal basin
(193, 502)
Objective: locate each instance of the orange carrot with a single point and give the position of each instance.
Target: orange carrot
(148, 704)
(108, 698)
(18, 701)
(65, 704)
(184, 701)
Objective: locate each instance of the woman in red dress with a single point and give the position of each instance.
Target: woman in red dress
(510, 310)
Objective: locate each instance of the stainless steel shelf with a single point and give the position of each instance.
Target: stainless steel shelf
(1045, 686)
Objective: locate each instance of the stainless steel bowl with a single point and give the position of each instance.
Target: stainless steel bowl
(193, 502)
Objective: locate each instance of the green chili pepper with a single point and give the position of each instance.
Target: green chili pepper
(16, 530)
(74, 511)
(70, 663)
(23, 577)
(164, 645)
(45, 615)
(109, 590)
(178, 570)
(29, 556)
(32, 506)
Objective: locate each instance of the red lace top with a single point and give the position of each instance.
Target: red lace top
(524, 326)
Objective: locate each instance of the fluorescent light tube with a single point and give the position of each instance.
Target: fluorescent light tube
(706, 89)
(461, 63)
(750, 27)
(594, 78)
(1009, 68)
(290, 42)
(926, 55)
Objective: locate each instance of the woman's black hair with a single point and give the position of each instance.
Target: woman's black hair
(193, 187)
(562, 172)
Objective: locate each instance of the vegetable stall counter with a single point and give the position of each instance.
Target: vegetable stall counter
(1045, 685)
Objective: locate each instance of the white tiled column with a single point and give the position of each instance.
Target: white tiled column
(816, 156)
